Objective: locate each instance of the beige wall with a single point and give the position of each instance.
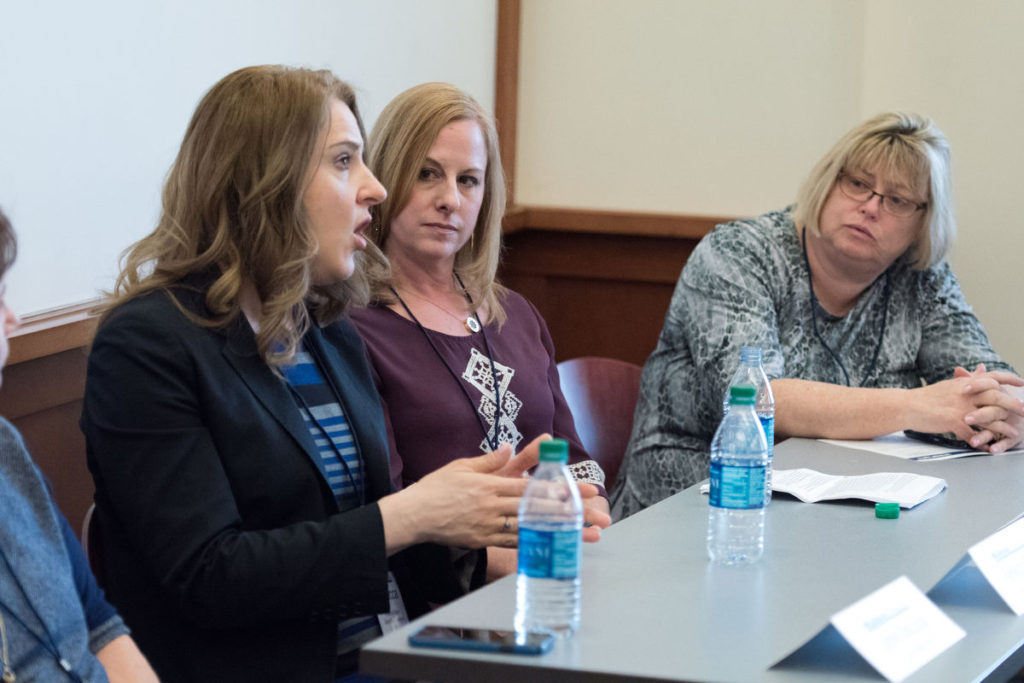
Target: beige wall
(963, 64)
(688, 106)
(672, 106)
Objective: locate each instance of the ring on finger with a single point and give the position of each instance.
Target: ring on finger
(508, 523)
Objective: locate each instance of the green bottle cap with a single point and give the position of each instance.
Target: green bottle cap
(554, 450)
(742, 395)
(887, 510)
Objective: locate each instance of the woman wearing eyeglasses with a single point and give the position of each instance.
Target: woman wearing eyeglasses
(852, 303)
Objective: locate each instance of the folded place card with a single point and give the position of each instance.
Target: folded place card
(1000, 557)
(897, 629)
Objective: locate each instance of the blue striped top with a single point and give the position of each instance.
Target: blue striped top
(325, 418)
(338, 462)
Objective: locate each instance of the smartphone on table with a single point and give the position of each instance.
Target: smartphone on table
(481, 640)
(947, 439)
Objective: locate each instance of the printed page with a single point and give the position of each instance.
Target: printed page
(898, 445)
(904, 488)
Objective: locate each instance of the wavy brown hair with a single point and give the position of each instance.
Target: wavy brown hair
(232, 205)
(397, 150)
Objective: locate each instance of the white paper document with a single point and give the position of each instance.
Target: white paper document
(1000, 557)
(904, 488)
(898, 445)
(897, 629)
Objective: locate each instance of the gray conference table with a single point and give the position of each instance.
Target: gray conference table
(654, 608)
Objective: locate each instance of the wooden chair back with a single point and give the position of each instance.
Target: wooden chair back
(602, 395)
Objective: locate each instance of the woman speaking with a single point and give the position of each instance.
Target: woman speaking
(232, 426)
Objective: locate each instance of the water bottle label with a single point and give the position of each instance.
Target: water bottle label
(768, 425)
(737, 487)
(549, 554)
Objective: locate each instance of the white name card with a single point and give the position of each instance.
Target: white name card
(1000, 557)
(897, 629)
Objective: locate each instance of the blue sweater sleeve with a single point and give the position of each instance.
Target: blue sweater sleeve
(94, 603)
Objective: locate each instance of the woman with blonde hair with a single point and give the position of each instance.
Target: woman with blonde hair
(853, 305)
(233, 429)
(462, 363)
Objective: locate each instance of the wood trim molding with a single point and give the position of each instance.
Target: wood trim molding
(506, 88)
(51, 332)
(610, 222)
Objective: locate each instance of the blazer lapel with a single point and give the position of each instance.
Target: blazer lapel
(345, 366)
(241, 353)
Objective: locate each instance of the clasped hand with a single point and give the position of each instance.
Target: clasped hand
(999, 420)
(979, 407)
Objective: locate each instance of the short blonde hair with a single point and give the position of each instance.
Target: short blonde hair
(397, 150)
(232, 204)
(902, 146)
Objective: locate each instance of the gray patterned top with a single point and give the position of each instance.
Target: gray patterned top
(746, 285)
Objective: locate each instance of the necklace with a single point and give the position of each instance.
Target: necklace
(492, 441)
(471, 322)
(8, 673)
(814, 318)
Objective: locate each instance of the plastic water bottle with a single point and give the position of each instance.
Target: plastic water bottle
(739, 457)
(752, 372)
(550, 536)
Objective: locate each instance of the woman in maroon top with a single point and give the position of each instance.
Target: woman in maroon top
(462, 363)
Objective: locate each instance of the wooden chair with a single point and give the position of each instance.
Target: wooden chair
(92, 543)
(602, 395)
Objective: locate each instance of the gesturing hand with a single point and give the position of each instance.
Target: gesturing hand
(471, 502)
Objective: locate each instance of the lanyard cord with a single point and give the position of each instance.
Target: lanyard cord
(491, 440)
(814, 318)
(49, 643)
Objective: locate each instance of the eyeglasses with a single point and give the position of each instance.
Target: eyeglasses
(861, 191)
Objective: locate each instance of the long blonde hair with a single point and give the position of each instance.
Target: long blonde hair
(232, 205)
(397, 150)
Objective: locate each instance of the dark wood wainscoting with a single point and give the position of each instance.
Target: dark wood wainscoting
(43, 385)
(602, 280)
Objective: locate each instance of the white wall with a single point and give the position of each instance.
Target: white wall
(696, 107)
(96, 96)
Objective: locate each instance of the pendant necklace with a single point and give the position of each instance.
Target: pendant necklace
(492, 441)
(471, 322)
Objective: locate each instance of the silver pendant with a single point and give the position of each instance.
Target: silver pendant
(9, 676)
(472, 324)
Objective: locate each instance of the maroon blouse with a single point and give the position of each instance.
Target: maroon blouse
(430, 421)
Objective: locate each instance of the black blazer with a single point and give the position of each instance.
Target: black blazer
(225, 552)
